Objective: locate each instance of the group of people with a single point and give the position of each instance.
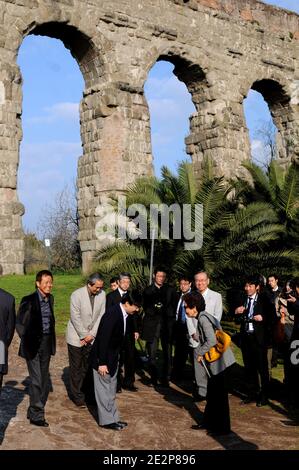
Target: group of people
(269, 325)
(102, 331)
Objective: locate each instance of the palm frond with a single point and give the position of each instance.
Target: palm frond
(288, 197)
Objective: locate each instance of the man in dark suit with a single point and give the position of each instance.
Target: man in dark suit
(105, 356)
(36, 328)
(180, 333)
(159, 305)
(127, 356)
(254, 320)
(7, 328)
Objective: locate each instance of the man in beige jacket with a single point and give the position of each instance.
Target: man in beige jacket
(87, 307)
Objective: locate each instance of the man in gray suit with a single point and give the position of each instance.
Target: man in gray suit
(213, 301)
(105, 358)
(87, 308)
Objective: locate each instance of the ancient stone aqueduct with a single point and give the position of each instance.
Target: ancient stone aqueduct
(220, 49)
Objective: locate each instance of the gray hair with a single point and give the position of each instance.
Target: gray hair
(202, 272)
(123, 275)
(93, 278)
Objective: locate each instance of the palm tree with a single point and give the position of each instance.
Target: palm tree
(280, 189)
(236, 239)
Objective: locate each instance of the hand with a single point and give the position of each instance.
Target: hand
(240, 310)
(83, 342)
(291, 299)
(102, 370)
(199, 358)
(258, 318)
(136, 335)
(88, 339)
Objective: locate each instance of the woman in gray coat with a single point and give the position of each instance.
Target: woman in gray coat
(216, 415)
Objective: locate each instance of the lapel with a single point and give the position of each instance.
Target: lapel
(97, 300)
(87, 301)
(37, 308)
(121, 319)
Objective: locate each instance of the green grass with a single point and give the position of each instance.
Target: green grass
(64, 285)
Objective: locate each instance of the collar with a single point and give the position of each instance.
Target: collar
(185, 292)
(254, 296)
(122, 292)
(123, 311)
(42, 298)
(205, 293)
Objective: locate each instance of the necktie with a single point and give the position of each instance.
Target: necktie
(249, 324)
(249, 311)
(182, 313)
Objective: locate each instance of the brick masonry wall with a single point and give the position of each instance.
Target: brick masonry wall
(220, 48)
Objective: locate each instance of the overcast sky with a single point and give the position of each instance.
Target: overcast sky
(51, 144)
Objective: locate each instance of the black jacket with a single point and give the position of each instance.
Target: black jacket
(30, 328)
(109, 340)
(114, 298)
(261, 328)
(7, 324)
(159, 305)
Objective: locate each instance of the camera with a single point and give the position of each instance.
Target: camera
(158, 305)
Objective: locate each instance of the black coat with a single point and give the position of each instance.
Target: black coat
(114, 298)
(30, 328)
(155, 318)
(7, 324)
(109, 340)
(261, 328)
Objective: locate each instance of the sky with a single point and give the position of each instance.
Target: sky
(51, 145)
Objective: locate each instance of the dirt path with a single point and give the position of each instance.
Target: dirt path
(158, 419)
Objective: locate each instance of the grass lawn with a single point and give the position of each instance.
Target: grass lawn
(64, 285)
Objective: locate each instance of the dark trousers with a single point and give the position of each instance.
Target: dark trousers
(216, 415)
(152, 348)
(256, 364)
(38, 369)
(1, 381)
(181, 349)
(127, 359)
(79, 365)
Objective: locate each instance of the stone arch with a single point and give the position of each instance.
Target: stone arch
(194, 77)
(91, 62)
(278, 99)
(80, 45)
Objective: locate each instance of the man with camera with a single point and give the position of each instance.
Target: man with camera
(159, 305)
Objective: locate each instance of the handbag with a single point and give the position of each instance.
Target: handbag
(223, 342)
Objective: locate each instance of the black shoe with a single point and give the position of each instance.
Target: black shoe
(164, 383)
(262, 402)
(197, 397)
(80, 404)
(224, 432)
(247, 400)
(199, 426)
(130, 388)
(39, 422)
(123, 424)
(114, 426)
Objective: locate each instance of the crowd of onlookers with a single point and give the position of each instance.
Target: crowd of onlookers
(102, 331)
